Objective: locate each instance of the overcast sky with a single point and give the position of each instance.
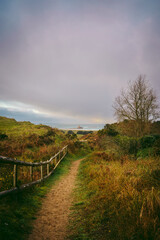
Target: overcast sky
(69, 59)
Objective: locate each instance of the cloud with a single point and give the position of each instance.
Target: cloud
(73, 58)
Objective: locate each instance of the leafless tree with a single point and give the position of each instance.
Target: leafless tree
(138, 104)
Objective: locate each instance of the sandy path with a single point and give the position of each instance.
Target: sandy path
(52, 219)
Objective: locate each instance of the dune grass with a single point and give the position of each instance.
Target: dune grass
(116, 201)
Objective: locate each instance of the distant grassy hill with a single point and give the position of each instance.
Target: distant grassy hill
(11, 127)
(28, 141)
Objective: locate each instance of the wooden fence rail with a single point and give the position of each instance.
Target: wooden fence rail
(52, 163)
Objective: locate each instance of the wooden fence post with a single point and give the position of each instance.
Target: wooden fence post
(31, 173)
(55, 160)
(15, 175)
(41, 171)
(47, 168)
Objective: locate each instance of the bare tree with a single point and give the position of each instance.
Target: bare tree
(138, 104)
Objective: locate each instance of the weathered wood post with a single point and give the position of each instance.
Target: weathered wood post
(15, 175)
(41, 171)
(66, 150)
(34, 168)
(55, 161)
(47, 168)
(31, 173)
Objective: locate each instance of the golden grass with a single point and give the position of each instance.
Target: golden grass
(120, 201)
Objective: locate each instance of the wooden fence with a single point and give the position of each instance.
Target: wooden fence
(49, 165)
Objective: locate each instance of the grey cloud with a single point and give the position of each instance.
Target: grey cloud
(75, 58)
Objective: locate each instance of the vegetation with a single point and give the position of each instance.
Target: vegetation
(17, 211)
(116, 199)
(32, 143)
(29, 142)
(118, 186)
(138, 104)
(117, 193)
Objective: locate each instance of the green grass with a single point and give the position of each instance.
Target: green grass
(11, 127)
(116, 201)
(17, 211)
(29, 142)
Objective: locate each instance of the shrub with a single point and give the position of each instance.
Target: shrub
(112, 132)
(147, 141)
(129, 145)
(71, 135)
(70, 132)
(156, 147)
(145, 152)
(104, 156)
(77, 147)
(84, 132)
(3, 136)
(108, 130)
(50, 132)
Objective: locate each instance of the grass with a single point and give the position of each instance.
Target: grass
(116, 201)
(17, 211)
(11, 127)
(116, 197)
(29, 142)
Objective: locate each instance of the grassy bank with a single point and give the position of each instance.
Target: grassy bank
(18, 211)
(29, 142)
(116, 199)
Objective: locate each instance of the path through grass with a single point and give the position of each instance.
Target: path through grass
(17, 211)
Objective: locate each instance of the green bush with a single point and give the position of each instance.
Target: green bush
(84, 132)
(71, 135)
(129, 145)
(108, 130)
(3, 136)
(145, 152)
(147, 141)
(156, 147)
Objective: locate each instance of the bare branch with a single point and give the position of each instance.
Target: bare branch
(138, 103)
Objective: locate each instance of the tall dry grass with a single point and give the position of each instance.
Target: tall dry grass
(117, 199)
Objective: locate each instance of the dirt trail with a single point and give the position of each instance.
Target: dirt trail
(52, 219)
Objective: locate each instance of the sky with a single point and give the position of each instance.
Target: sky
(67, 60)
